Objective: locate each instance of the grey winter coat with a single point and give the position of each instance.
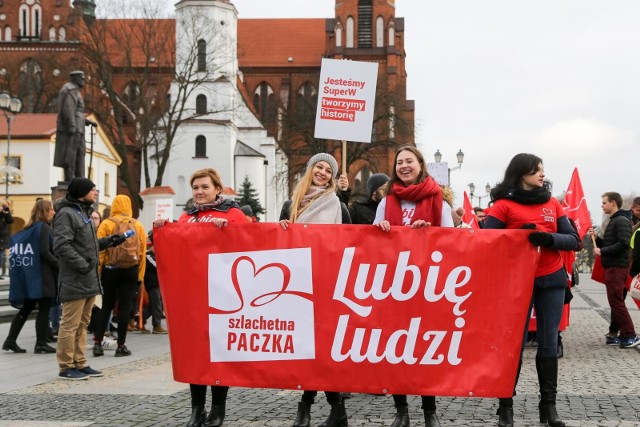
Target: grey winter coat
(77, 247)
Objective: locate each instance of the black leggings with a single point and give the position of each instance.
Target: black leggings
(119, 285)
(199, 394)
(428, 402)
(309, 396)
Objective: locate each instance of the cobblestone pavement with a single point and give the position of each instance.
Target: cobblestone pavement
(599, 386)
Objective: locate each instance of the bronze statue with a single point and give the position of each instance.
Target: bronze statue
(70, 143)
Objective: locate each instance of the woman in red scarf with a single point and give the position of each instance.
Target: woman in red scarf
(414, 199)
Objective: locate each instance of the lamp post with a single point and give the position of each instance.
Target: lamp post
(459, 157)
(10, 107)
(472, 189)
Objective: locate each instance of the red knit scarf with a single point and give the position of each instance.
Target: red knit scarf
(428, 198)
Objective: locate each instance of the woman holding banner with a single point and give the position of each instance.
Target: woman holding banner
(414, 199)
(208, 206)
(33, 282)
(521, 201)
(314, 201)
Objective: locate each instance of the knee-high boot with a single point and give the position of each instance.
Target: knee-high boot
(16, 326)
(303, 418)
(402, 417)
(547, 369)
(337, 416)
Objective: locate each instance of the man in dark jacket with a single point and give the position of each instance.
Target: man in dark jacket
(77, 248)
(613, 249)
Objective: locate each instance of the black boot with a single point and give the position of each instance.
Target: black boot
(303, 418)
(16, 326)
(402, 417)
(43, 347)
(431, 419)
(337, 416)
(216, 416)
(547, 369)
(197, 416)
(505, 413)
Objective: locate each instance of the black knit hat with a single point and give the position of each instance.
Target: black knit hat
(375, 181)
(80, 187)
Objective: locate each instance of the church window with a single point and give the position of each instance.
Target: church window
(7, 33)
(201, 104)
(62, 34)
(201, 147)
(392, 34)
(379, 32)
(264, 101)
(36, 21)
(131, 93)
(306, 104)
(24, 21)
(365, 22)
(52, 33)
(338, 35)
(202, 55)
(350, 30)
(30, 85)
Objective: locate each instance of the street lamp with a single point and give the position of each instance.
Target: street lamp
(459, 156)
(472, 189)
(10, 107)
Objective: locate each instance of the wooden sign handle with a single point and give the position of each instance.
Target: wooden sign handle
(344, 157)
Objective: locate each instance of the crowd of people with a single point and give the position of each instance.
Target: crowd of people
(84, 258)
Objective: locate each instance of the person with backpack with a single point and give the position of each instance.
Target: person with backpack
(122, 270)
(34, 273)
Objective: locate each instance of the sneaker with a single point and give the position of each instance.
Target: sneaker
(614, 341)
(159, 330)
(90, 371)
(73, 374)
(123, 351)
(97, 350)
(630, 342)
(109, 343)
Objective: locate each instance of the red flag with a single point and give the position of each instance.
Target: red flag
(469, 216)
(575, 205)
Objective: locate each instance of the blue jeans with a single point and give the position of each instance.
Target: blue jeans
(548, 300)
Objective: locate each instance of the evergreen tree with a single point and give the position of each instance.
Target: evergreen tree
(249, 196)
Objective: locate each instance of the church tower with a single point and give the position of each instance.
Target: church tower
(87, 8)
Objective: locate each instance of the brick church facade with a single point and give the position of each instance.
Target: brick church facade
(279, 63)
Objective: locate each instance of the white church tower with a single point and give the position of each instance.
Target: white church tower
(220, 131)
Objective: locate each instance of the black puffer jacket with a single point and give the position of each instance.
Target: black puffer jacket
(614, 245)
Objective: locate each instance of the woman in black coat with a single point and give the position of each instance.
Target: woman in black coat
(41, 215)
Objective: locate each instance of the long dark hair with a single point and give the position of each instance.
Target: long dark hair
(522, 164)
(40, 212)
(423, 167)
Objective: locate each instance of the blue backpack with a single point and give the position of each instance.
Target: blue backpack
(24, 266)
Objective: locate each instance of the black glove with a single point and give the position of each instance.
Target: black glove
(91, 265)
(528, 226)
(540, 238)
(116, 239)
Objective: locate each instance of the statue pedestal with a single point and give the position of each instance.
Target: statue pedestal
(59, 191)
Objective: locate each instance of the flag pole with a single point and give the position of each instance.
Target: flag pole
(344, 157)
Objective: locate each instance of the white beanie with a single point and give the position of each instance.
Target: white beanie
(324, 157)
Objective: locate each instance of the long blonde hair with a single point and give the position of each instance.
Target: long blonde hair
(302, 188)
(40, 212)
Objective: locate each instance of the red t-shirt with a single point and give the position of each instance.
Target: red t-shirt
(544, 216)
(232, 215)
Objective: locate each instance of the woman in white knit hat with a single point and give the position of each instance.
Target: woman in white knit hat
(314, 201)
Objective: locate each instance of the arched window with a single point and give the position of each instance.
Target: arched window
(30, 85)
(201, 146)
(350, 29)
(365, 23)
(392, 34)
(306, 104)
(201, 104)
(23, 22)
(202, 55)
(7, 33)
(379, 32)
(36, 21)
(338, 35)
(52, 33)
(131, 94)
(264, 101)
(62, 34)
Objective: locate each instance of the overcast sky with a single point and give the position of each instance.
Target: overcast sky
(497, 77)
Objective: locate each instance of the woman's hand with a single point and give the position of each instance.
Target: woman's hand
(343, 183)
(384, 225)
(160, 222)
(420, 223)
(285, 223)
(220, 222)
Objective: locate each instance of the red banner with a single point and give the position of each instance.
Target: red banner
(575, 205)
(431, 311)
